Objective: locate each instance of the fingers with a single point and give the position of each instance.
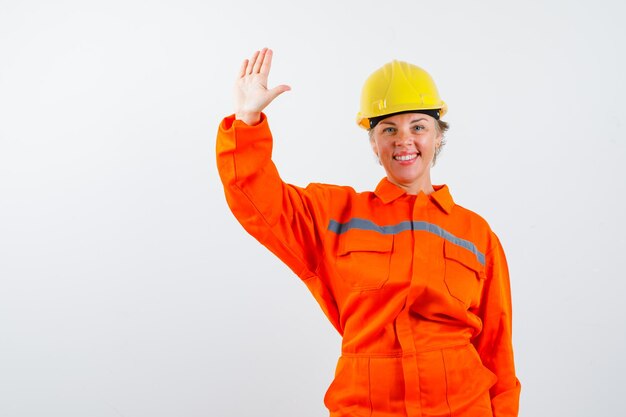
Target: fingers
(251, 63)
(251, 92)
(267, 62)
(259, 60)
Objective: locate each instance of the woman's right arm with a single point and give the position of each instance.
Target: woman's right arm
(288, 220)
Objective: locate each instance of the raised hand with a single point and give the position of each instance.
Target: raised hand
(251, 92)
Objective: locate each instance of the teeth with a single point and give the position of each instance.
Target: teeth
(405, 157)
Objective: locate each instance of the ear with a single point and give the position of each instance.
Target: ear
(438, 140)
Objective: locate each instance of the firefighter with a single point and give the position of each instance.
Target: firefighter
(417, 285)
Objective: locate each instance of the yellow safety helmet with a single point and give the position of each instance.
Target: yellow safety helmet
(398, 87)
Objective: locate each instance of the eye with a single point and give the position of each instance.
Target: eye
(389, 130)
(417, 128)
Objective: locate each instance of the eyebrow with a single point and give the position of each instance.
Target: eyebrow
(412, 121)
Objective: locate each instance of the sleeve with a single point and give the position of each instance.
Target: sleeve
(494, 343)
(286, 219)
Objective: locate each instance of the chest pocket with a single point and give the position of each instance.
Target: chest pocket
(464, 275)
(363, 260)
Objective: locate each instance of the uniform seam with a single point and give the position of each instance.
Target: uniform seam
(402, 354)
(369, 385)
(445, 376)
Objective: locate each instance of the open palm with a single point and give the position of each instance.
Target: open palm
(251, 92)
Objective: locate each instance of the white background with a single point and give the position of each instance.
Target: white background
(128, 289)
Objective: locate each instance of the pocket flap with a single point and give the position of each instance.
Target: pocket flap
(358, 242)
(462, 255)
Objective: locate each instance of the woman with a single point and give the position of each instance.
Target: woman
(416, 285)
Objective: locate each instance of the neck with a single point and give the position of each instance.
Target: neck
(415, 188)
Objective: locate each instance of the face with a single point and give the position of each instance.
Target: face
(405, 145)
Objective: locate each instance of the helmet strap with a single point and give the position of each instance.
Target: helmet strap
(434, 113)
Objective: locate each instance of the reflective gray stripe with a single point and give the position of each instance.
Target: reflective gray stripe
(364, 224)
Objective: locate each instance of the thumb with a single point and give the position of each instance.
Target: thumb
(278, 90)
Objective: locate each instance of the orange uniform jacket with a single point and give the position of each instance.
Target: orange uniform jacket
(417, 286)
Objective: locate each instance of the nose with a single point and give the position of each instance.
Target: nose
(402, 139)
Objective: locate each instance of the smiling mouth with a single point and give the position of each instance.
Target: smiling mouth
(405, 158)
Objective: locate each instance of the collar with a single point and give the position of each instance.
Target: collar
(387, 192)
